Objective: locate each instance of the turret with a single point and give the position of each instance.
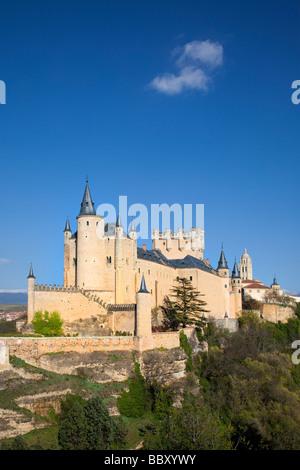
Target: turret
(222, 268)
(143, 311)
(236, 284)
(67, 254)
(275, 286)
(30, 302)
(119, 293)
(90, 257)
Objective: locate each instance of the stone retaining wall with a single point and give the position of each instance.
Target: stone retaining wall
(31, 347)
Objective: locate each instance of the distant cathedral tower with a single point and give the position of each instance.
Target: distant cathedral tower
(245, 266)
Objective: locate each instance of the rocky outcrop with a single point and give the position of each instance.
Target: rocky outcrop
(163, 365)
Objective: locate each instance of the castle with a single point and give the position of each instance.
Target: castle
(104, 268)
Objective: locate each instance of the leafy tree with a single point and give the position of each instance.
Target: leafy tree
(187, 308)
(72, 434)
(193, 427)
(47, 324)
(251, 304)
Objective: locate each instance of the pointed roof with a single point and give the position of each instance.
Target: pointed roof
(235, 271)
(143, 288)
(87, 205)
(119, 223)
(30, 272)
(222, 261)
(67, 227)
(275, 283)
(132, 226)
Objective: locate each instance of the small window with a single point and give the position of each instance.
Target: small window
(148, 271)
(225, 286)
(87, 223)
(139, 270)
(108, 259)
(191, 278)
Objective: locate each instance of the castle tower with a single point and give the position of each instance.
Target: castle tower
(119, 262)
(143, 311)
(90, 256)
(133, 236)
(223, 272)
(276, 287)
(67, 257)
(236, 285)
(31, 303)
(245, 266)
(222, 268)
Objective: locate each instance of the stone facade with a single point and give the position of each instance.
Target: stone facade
(103, 266)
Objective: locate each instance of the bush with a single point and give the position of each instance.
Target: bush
(47, 324)
(134, 403)
(185, 345)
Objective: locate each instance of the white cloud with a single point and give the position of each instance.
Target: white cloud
(188, 78)
(195, 61)
(202, 52)
(4, 261)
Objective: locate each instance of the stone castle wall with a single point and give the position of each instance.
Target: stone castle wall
(35, 347)
(276, 313)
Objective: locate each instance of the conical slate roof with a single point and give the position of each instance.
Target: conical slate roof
(132, 226)
(87, 205)
(235, 271)
(275, 283)
(30, 272)
(119, 223)
(143, 288)
(67, 227)
(222, 261)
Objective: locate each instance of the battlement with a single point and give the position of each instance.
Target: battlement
(179, 244)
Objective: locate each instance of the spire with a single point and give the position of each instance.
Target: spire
(222, 261)
(119, 223)
(235, 271)
(275, 283)
(67, 227)
(143, 288)
(132, 226)
(31, 272)
(87, 205)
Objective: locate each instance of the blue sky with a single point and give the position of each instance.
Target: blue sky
(129, 93)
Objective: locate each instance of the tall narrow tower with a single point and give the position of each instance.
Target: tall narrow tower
(223, 272)
(67, 254)
(119, 262)
(90, 232)
(31, 303)
(236, 284)
(245, 266)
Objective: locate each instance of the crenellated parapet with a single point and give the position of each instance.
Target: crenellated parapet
(179, 244)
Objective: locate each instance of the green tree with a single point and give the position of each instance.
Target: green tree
(47, 324)
(135, 402)
(72, 433)
(101, 428)
(68, 402)
(186, 309)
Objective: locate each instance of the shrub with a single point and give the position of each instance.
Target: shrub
(47, 324)
(134, 403)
